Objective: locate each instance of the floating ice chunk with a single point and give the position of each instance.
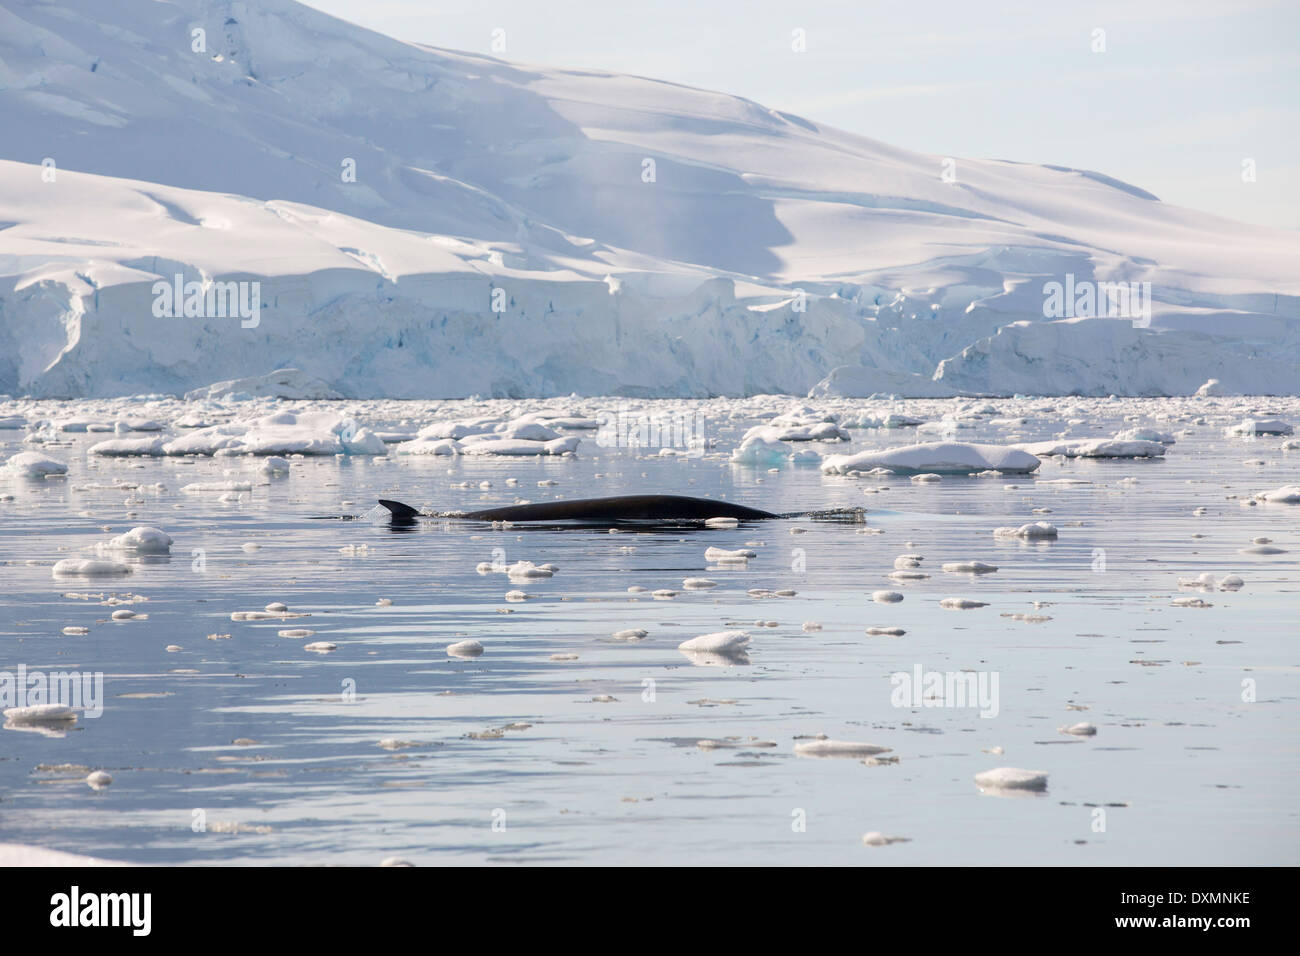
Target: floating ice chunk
(698, 584)
(141, 540)
(446, 447)
(961, 604)
(886, 597)
(1259, 426)
(810, 626)
(277, 607)
(1036, 530)
(928, 477)
(1079, 730)
(524, 570)
(1190, 602)
(838, 748)
(1287, 494)
(496, 445)
(275, 465)
(1231, 583)
(296, 632)
(515, 596)
(663, 594)
(125, 615)
(944, 458)
(1146, 434)
(41, 714)
(721, 522)
(1094, 448)
(321, 647)
(969, 567)
(98, 780)
(905, 561)
(631, 634)
(1012, 778)
(722, 555)
(885, 631)
(721, 642)
(89, 568)
(203, 487)
(907, 575)
(876, 838)
(73, 630)
(469, 648)
(127, 447)
(31, 464)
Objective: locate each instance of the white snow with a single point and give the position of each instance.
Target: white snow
(848, 264)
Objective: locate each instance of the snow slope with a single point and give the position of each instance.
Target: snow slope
(765, 251)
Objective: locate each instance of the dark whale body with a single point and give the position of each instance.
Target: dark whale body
(620, 508)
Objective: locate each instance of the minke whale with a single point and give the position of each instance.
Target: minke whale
(617, 508)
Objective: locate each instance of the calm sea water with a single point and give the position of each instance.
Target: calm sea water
(1195, 760)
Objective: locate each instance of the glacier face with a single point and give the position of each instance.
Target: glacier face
(422, 223)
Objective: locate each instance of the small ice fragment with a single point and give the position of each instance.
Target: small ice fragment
(969, 567)
(720, 642)
(631, 634)
(876, 838)
(886, 631)
(321, 647)
(1079, 730)
(723, 556)
(1036, 529)
(89, 568)
(721, 523)
(961, 604)
(98, 780)
(297, 632)
(40, 714)
(470, 648)
(838, 748)
(886, 597)
(699, 584)
(1012, 778)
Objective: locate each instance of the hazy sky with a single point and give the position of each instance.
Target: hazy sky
(1185, 91)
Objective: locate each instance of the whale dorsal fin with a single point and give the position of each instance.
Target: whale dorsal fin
(399, 511)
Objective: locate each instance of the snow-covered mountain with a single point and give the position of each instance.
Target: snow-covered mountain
(515, 231)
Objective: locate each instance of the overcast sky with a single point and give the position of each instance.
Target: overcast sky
(1185, 91)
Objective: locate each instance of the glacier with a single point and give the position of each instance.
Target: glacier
(424, 223)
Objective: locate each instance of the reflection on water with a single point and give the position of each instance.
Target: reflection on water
(561, 743)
